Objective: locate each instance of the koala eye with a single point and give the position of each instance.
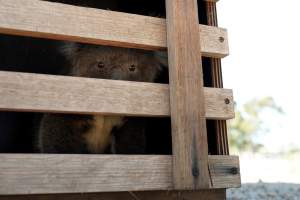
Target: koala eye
(132, 68)
(100, 65)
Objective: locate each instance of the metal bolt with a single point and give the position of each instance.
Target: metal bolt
(234, 170)
(221, 39)
(195, 172)
(227, 101)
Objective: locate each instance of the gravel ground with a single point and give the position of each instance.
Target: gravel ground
(261, 191)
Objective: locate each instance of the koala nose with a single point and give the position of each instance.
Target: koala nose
(132, 68)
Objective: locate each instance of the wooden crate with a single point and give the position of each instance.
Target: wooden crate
(185, 99)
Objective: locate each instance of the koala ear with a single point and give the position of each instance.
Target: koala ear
(69, 49)
(162, 57)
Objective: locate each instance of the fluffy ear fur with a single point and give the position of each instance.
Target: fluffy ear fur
(69, 49)
(162, 57)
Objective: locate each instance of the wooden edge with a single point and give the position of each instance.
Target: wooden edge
(58, 173)
(221, 138)
(220, 166)
(50, 20)
(64, 94)
(212, 1)
(214, 194)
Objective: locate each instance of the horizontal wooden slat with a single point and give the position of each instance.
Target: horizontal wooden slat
(220, 167)
(65, 94)
(65, 22)
(58, 173)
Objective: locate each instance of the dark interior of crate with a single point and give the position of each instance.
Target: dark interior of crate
(24, 54)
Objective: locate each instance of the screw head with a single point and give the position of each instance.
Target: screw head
(195, 172)
(221, 39)
(234, 170)
(227, 101)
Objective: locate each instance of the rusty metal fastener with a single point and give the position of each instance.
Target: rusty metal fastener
(195, 171)
(221, 39)
(234, 170)
(227, 101)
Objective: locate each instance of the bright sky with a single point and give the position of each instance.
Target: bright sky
(264, 40)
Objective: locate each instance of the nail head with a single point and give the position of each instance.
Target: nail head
(227, 101)
(221, 39)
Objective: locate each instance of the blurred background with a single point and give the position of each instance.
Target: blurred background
(263, 70)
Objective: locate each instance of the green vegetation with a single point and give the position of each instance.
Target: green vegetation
(248, 124)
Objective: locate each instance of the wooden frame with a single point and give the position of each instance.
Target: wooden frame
(38, 93)
(220, 125)
(215, 194)
(25, 174)
(114, 28)
(189, 138)
(46, 174)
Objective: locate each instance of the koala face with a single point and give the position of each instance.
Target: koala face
(113, 63)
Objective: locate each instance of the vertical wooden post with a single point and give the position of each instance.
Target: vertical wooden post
(189, 139)
(221, 126)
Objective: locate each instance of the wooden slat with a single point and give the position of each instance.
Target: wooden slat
(189, 138)
(221, 139)
(219, 168)
(58, 173)
(65, 22)
(214, 194)
(219, 125)
(214, 1)
(64, 94)
(217, 82)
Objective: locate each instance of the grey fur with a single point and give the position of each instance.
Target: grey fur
(63, 133)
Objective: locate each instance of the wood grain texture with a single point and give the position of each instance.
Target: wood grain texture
(58, 173)
(36, 18)
(217, 82)
(64, 94)
(189, 138)
(219, 168)
(214, 1)
(220, 126)
(214, 194)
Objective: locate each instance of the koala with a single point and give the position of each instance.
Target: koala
(96, 134)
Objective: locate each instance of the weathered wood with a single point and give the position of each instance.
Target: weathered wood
(217, 82)
(219, 168)
(189, 139)
(217, 194)
(220, 125)
(214, 1)
(65, 22)
(64, 94)
(58, 173)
